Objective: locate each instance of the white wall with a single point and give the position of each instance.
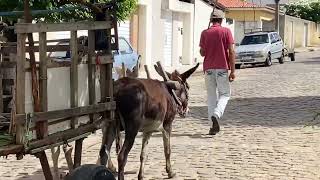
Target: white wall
(157, 33)
(202, 17)
(230, 25)
(145, 40)
(59, 88)
(151, 30)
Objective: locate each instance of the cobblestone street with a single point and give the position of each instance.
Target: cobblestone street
(263, 131)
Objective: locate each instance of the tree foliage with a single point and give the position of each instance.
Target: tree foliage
(305, 10)
(74, 10)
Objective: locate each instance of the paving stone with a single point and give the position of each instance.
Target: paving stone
(263, 134)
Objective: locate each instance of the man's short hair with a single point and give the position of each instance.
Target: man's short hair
(216, 20)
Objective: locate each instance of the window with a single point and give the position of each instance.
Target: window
(255, 39)
(274, 38)
(229, 21)
(124, 47)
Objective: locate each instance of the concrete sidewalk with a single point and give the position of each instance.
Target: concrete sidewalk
(307, 49)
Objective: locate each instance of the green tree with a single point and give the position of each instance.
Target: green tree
(76, 9)
(309, 11)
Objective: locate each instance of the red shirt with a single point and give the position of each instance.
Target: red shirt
(215, 42)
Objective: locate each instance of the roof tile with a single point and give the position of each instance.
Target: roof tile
(237, 4)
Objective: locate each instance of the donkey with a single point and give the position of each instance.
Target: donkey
(147, 106)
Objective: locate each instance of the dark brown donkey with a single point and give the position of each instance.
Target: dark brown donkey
(147, 106)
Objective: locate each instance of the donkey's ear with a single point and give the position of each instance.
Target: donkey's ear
(168, 74)
(187, 74)
(160, 72)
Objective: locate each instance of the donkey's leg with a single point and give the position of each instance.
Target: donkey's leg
(123, 155)
(68, 156)
(107, 140)
(55, 159)
(143, 155)
(166, 132)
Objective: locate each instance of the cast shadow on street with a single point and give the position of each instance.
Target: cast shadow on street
(38, 175)
(269, 112)
(316, 61)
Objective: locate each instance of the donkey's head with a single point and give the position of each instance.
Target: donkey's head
(181, 88)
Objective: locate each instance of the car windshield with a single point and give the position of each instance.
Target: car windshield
(255, 39)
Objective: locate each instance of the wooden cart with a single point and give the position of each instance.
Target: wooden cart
(34, 132)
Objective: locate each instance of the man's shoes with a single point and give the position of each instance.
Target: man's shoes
(215, 126)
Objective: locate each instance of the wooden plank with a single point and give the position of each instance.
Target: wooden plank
(36, 42)
(11, 149)
(103, 83)
(104, 59)
(9, 73)
(77, 153)
(33, 151)
(91, 70)
(45, 165)
(109, 81)
(64, 120)
(1, 91)
(66, 113)
(51, 63)
(43, 74)
(42, 127)
(50, 48)
(20, 88)
(53, 27)
(64, 135)
(74, 75)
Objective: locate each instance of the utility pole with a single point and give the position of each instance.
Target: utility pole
(277, 15)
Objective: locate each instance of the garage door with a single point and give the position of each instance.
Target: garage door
(124, 30)
(167, 49)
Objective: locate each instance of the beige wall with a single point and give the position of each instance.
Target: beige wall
(315, 34)
(249, 15)
(249, 19)
(134, 29)
(292, 31)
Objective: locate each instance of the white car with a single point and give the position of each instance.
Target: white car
(260, 47)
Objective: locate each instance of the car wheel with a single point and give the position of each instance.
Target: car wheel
(292, 56)
(268, 61)
(238, 66)
(281, 59)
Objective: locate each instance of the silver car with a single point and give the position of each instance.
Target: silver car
(260, 47)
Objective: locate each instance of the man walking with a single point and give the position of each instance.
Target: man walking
(216, 45)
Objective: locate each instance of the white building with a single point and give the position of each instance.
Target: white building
(168, 30)
(164, 30)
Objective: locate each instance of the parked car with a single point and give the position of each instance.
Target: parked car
(126, 54)
(260, 47)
